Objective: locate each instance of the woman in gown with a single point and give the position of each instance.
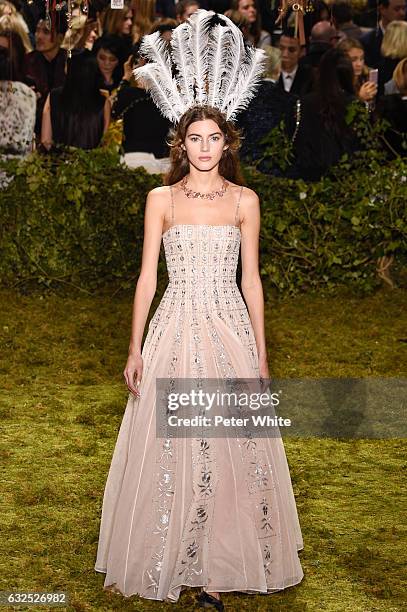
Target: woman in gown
(217, 513)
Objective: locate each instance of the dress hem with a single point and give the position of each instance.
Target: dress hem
(248, 591)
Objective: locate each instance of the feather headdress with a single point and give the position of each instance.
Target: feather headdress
(206, 62)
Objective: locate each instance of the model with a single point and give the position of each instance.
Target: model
(212, 512)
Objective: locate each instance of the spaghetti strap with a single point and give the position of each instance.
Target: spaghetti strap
(237, 207)
(172, 206)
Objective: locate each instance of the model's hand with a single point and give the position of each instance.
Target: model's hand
(133, 373)
(368, 91)
(264, 373)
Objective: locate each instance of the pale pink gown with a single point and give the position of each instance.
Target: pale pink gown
(214, 512)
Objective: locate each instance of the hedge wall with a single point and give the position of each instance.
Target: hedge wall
(77, 220)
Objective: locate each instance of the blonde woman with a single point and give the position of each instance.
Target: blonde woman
(81, 35)
(11, 39)
(393, 49)
(13, 23)
(364, 89)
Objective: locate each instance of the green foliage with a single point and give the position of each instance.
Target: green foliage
(77, 220)
(328, 233)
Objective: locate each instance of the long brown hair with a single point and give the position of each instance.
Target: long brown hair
(229, 164)
(112, 19)
(253, 28)
(346, 45)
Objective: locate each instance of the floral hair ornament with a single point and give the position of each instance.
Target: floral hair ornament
(206, 62)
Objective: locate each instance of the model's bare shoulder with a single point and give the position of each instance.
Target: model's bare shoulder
(249, 202)
(249, 195)
(159, 193)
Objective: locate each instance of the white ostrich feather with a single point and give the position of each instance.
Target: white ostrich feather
(236, 56)
(219, 63)
(183, 59)
(159, 93)
(156, 49)
(198, 42)
(249, 78)
(207, 62)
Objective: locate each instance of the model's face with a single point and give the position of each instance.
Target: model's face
(290, 52)
(357, 57)
(127, 23)
(247, 8)
(396, 11)
(204, 144)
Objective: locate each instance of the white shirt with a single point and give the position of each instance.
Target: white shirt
(288, 78)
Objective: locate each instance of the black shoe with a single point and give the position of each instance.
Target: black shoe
(207, 601)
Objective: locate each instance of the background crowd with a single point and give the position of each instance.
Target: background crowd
(66, 79)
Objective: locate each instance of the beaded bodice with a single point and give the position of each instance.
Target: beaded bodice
(202, 263)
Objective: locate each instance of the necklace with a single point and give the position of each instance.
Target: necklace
(197, 194)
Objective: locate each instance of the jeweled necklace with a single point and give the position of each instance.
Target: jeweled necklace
(190, 193)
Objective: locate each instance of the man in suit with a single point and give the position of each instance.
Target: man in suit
(294, 78)
(389, 10)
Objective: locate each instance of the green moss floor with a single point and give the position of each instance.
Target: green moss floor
(61, 406)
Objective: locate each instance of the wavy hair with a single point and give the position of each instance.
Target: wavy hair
(229, 164)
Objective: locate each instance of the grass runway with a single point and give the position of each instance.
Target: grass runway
(61, 405)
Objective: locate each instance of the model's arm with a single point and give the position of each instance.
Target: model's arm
(146, 283)
(252, 287)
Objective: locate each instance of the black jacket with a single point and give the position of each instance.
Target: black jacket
(144, 127)
(372, 42)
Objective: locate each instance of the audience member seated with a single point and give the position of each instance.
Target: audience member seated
(44, 67)
(144, 17)
(343, 19)
(324, 37)
(364, 89)
(184, 9)
(145, 130)
(8, 9)
(257, 36)
(81, 35)
(165, 27)
(109, 53)
(323, 135)
(11, 41)
(295, 77)
(17, 116)
(119, 22)
(12, 24)
(267, 109)
(320, 12)
(393, 108)
(76, 114)
(168, 8)
(393, 49)
(389, 10)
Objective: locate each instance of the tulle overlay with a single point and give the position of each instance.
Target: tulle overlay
(214, 512)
